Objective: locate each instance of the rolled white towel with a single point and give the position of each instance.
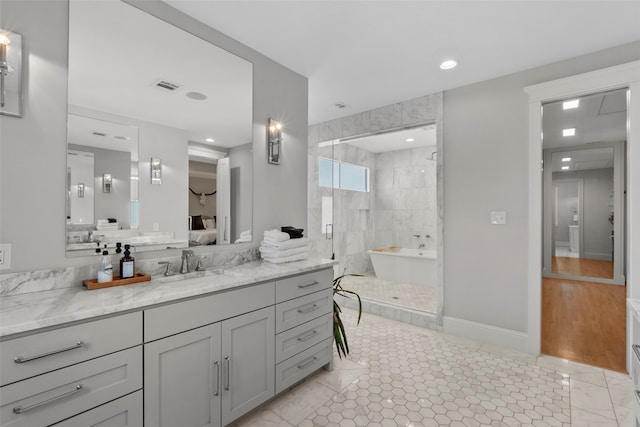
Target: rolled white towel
(245, 233)
(298, 257)
(244, 239)
(276, 236)
(279, 253)
(288, 244)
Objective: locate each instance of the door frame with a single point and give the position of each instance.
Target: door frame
(616, 77)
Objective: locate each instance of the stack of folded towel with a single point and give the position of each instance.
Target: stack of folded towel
(245, 236)
(107, 225)
(278, 247)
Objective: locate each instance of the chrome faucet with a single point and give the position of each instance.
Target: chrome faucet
(184, 267)
(200, 265)
(167, 271)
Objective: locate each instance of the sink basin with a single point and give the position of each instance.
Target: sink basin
(177, 277)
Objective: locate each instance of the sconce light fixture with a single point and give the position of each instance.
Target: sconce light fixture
(107, 182)
(80, 190)
(274, 139)
(10, 73)
(156, 171)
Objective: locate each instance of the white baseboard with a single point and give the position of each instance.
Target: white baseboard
(486, 333)
(598, 256)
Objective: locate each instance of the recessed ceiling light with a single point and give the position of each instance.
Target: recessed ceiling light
(410, 139)
(567, 105)
(210, 140)
(566, 159)
(569, 132)
(197, 96)
(448, 64)
(564, 168)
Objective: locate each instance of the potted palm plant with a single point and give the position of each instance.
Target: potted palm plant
(339, 333)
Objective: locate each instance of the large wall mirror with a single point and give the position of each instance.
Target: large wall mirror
(159, 147)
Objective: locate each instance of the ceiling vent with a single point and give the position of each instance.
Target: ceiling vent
(163, 84)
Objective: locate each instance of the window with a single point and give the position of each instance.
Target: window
(344, 176)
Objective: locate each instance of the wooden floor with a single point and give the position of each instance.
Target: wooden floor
(584, 322)
(582, 267)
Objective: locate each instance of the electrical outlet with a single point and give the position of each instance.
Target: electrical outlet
(5, 256)
(498, 218)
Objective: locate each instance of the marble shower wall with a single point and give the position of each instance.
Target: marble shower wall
(405, 198)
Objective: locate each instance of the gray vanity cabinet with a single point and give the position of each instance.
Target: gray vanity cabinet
(182, 379)
(211, 375)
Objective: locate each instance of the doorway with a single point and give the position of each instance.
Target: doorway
(583, 294)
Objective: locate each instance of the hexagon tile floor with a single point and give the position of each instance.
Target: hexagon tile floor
(403, 375)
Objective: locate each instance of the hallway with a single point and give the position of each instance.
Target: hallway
(584, 322)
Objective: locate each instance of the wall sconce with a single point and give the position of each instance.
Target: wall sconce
(274, 139)
(156, 171)
(80, 190)
(10, 73)
(107, 182)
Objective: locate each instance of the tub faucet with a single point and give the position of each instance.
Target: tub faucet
(184, 267)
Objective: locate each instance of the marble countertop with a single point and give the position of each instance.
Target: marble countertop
(28, 312)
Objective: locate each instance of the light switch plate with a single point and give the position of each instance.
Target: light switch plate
(5, 256)
(498, 217)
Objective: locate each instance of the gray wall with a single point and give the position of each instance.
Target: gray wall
(486, 169)
(39, 138)
(116, 203)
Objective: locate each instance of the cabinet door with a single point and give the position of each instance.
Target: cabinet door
(182, 379)
(248, 362)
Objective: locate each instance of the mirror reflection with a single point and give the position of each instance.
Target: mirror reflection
(181, 98)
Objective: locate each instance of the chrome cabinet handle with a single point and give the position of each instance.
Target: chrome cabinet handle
(636, 350)
(315, 282)
(22, 410)
(217, 365)
(637, 393)
(308, 310)
(307, 363)
(307, 336)
(228, 362)
(22, 359)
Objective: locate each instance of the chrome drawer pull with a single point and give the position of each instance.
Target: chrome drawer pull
(228, 362)
(21, 359)
(637, 393)
(307, 363)
(217, 365)
(315, 282)
(308, 309)
(307, 336)
(636, 350)
(21, 410)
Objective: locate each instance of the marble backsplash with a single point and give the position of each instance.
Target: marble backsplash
(46, 280)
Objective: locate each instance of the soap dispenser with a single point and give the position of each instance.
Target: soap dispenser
(105, 272)
(127, 264)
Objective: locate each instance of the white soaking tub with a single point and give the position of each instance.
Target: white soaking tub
(414, 266)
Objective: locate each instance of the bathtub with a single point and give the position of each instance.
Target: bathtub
(415, 266)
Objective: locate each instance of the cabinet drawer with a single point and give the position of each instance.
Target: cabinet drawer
(178, 317)
(298, 367)
(123, 412)
(60, 394)
(35, 354)
(291, 342)
(303, 284)
(300, 310)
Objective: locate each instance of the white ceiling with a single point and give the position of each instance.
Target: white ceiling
(117, 53)
(368, 54)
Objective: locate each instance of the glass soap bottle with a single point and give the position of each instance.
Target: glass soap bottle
(105, 272)
(127, 264)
